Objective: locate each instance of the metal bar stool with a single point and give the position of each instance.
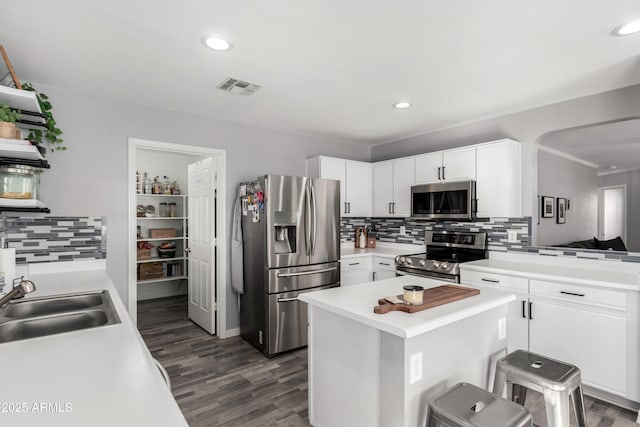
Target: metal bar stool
(558, 382)
(465, 405)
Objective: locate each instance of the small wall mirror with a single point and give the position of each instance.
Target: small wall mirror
(589, 187)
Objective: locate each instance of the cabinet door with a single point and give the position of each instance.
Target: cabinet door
(427, 167)
(403, 179)
(331, 168)
(382, 188)
(518, 325)
(381, 274)
(358, 189)
(459, 164)
(499, 180)
(594, 341)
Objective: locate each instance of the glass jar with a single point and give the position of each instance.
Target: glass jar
(19, 182)
(164, 210)
(172, 209)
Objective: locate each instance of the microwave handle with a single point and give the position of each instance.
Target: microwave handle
(474, 206)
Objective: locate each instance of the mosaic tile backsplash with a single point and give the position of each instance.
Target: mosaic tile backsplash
(388, 230)
(55, 238)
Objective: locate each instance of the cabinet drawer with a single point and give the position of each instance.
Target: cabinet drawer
(361, 263)
(382, 263)
(499, 280)
(579, 294)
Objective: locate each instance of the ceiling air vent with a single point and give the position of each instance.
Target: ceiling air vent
(239, 87)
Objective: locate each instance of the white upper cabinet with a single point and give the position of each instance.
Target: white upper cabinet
(499, 179)
(428, 168)
(459, 164)
(450, 165)
(355, 182)
(392, 181)
(358, 188)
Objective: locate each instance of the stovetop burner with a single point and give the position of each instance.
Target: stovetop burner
(445, 252)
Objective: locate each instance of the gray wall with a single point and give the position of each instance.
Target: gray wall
(90, 178)
(560, 177)
(632, 180)
(525, 126)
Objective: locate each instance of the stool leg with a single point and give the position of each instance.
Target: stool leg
(557, 406)
(500, 381)
(518, 394)
(578, 406)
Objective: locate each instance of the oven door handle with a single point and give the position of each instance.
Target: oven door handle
(402, 273)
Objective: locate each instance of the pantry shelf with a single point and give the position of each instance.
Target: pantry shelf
(159, 260)
(162, 279)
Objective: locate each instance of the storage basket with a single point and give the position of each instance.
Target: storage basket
(162, 233)
(144, 254)
(151, 270)
(167, 253)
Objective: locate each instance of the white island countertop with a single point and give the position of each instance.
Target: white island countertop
(356, 302)
(103, 376)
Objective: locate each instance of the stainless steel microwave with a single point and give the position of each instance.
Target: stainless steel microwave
(449, 200)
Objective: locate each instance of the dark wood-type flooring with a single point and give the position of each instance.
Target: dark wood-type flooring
(229, 383)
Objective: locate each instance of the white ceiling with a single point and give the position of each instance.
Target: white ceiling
(329, 67)
(605, 145)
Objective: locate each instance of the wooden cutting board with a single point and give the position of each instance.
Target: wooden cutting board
(432, 297)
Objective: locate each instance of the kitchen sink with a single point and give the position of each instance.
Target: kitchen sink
(39, 307)
(39, 317)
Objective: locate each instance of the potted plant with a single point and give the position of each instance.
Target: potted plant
(8, 119)
(52, 133)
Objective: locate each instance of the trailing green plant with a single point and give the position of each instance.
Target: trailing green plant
(7, 114)
(52, 134)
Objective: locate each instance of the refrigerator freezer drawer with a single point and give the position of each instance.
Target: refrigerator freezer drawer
(298, 278)
(287, 317)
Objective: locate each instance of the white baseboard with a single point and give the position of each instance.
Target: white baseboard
(232, 332)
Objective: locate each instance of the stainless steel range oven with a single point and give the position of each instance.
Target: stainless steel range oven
(445, 251)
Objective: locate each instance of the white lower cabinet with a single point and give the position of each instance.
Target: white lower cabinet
(383, 268)
(594, 328)
(594, 341)
(355, 270)
(518, 324)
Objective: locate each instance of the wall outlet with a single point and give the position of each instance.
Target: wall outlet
(512, 236)
(502, 328)
(403, 230)
(415, 368)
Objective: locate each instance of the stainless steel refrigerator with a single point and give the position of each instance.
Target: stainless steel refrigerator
(291, 245)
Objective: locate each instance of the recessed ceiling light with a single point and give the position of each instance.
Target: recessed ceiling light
(217, 43)
(626, 29)
(401, 105)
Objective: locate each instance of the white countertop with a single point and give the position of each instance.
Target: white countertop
(383, 249)
(356, 302)
(105, 375)
(594, 276)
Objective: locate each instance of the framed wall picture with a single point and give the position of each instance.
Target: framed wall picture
(561, 208)
(547, 207)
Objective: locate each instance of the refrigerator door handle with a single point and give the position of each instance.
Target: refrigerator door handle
(307, 224)
(287, 299)
(314, 221)
(306, 273)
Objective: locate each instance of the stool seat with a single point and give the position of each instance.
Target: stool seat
(560, 384)
(465, 405)
(546, 373)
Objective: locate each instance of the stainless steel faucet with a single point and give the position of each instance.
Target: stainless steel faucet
(25, 287)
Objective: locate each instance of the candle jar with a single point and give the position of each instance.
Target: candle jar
(413, 294)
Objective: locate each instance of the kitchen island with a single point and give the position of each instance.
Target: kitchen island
(370, 369)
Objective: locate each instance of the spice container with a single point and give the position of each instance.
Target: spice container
(413, 294)
(19, 182)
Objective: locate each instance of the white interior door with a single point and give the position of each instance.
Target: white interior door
(202, 242)
(612, 211)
